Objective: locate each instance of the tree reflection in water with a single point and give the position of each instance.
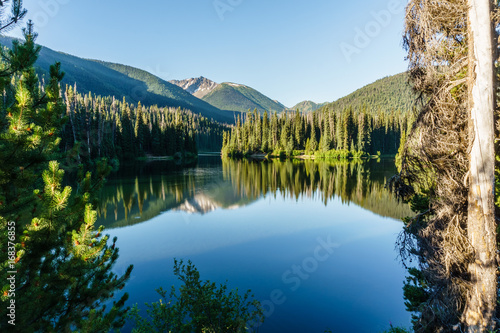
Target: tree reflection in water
(141, 192)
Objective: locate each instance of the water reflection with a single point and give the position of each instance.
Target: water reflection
(142, 191)
(251, 222)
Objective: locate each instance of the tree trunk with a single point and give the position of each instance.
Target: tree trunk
(481, 301)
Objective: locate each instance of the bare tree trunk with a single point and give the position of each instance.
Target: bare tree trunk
(481, 301)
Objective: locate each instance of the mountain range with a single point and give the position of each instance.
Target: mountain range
(133, 84)
(220, 101)
(198, 87)
(229, 96)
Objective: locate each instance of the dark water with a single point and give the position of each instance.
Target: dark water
(319, 234)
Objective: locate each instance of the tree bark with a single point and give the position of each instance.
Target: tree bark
(481, 227)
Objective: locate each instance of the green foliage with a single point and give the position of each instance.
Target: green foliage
(62, 264)
(340, 154)
(28, 124)
(416, 293)
(198, 306)
(419, 203)
(415, 290)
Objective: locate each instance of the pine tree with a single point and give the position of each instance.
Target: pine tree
(63, 265)
(274, 134)
(265, 133)
(325, 142)
(299, 130)
(257, 130)
(285, 134)
(332, 117)
(340, 133)
(313, 143)
(363, 131)
(349, 128)
(139, 130)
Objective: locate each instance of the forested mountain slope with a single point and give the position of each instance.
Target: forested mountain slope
(388, 94)
(136, 85)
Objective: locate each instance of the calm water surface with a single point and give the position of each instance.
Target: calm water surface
(320, 235)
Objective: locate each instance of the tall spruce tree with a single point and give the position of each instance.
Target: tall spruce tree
(56, 267)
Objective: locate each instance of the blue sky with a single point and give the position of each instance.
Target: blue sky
(289, 50)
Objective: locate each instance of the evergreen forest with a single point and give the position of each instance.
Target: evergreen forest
(117, 130)
(341, 134)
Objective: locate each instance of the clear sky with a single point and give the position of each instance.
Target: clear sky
(289, 50)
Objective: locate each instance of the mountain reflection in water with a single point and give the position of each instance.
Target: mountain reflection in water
(142, 191)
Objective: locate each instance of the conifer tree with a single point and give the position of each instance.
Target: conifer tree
(265, 133)
(285, 134)
(325, 143)
(349, 129)
(299, 131)
(313, 143)
(257, 130)
(363, 130)
(62, 264)
(139, 129)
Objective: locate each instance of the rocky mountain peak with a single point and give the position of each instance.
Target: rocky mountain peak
(199, 86)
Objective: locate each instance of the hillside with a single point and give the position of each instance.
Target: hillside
(108, 79)
(387, 94)
(308, 106)
(238, 97)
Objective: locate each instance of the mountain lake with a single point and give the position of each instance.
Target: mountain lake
(313, 240)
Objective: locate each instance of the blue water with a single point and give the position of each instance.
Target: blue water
(313, 266)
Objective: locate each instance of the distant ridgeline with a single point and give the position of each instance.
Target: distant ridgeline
(106, 127)
(328, 132)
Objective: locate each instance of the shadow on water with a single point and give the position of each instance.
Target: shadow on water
(141, 191)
